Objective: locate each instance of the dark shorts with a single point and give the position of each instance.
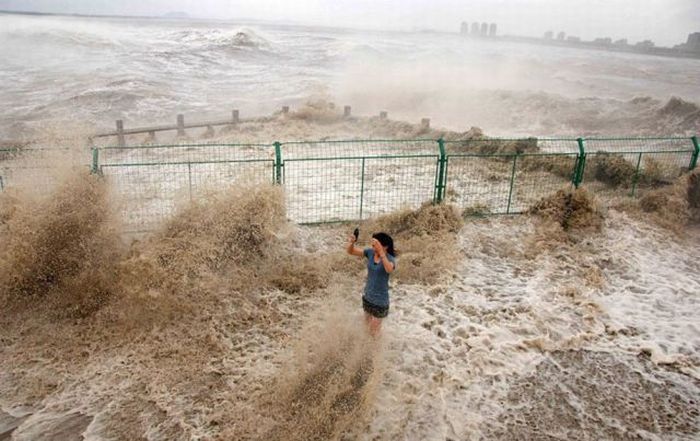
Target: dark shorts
(374, 310)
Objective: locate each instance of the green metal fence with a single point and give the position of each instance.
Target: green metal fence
(346, 180)
(506, 176)
(151, 180)
(330, 181)
(36, 169)
(633, 164)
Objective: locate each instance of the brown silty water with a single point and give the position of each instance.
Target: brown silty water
(229, 322)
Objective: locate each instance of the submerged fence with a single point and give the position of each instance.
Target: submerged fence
(332, 181)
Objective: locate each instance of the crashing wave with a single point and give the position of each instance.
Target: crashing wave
(222, 39)
(679, 107)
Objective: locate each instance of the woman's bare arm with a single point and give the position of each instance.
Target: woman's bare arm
(352, 249)
(388, 265)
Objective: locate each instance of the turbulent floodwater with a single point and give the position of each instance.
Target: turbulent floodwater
(227, 322)
(520, 334)
(92, 71)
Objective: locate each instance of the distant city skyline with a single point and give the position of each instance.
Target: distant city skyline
(688, 49)
(666, 22)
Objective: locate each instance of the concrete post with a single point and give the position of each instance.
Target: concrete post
(235, 116)
(181, 125)
(121, 142)
(347, 111)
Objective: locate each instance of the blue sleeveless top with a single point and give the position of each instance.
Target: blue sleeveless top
(377, 286)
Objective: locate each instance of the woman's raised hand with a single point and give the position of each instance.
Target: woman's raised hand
(378, 248)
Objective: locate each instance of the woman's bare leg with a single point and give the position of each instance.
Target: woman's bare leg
(375, 326)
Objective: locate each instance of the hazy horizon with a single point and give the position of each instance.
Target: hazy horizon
(666, 22)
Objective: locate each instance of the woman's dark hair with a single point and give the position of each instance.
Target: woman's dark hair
(386, 241)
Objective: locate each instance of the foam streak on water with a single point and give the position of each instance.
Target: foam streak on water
(652, 295)
(526, 342)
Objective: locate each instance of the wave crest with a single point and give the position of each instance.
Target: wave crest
(223, 39)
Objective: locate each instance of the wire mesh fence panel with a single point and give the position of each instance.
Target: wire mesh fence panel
(398, 182)
(323, 190)
(503, 146)
(150, 181)
(38, 170)
(27, 178)
(148, 193)
(506, 176)
(479, 184)
(550, 167)
(538, 176)
(647, 145)
(330, 181)
(347, 180)
(205, 177)
(358, 148)
(632, 164)
(185, 153)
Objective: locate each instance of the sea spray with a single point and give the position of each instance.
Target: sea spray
(62, 250)
(326, 387)
(674, 206)
(576, 212)
(420, 236)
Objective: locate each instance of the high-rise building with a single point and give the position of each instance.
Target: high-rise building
(561, 36)
(484, 29)
(693, 44)
(475, 29)
(464, 29)
(493, 29)
(548, 35)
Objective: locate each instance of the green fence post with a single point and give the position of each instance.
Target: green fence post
(581, 163)
(435, 181)
(440, 186)
(189, 177)
(694, 158)
(636, 174)
(362, 186)
(512, 182)
(95, 168)
(278, 163)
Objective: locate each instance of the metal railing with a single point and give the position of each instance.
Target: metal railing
(334, 181)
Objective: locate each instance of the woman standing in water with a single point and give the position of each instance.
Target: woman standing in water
(381, 262)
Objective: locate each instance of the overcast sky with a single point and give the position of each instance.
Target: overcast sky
(665, 21)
